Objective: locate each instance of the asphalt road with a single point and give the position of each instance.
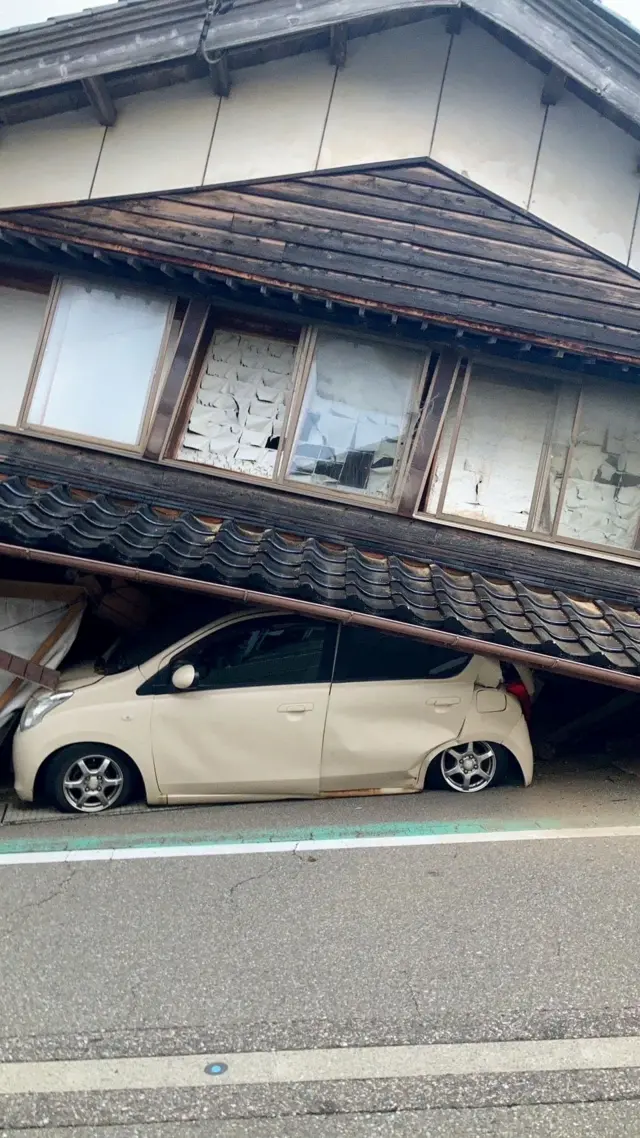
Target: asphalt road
(182, 961)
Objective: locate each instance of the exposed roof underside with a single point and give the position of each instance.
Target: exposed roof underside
(406, 239)
(493, 609)
(143, 43)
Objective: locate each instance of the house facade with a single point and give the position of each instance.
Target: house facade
(337, 308)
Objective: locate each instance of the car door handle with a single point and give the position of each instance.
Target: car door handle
(442, 702)
(295, 708)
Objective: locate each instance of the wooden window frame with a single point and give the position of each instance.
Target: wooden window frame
(532, 532)
(151, 405)
(304, 356)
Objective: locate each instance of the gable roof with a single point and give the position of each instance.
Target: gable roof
(412, 239)
(42, 67)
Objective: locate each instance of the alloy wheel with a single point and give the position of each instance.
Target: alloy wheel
(93, 784)
(469, 767)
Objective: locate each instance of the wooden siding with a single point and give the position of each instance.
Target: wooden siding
(412, 238)
(411, 91)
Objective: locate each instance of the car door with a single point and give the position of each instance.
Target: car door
(254, 720)
(392, 700)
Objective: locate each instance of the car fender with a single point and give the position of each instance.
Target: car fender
(506, 728)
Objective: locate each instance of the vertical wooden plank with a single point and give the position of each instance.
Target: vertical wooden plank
(188, 341)
(490, 118)
(160, 141)
(273, 120)
(385, 99)
(587, 181)
(429, 431)
(49, 160)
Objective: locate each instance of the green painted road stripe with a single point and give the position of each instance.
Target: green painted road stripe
(297, 834)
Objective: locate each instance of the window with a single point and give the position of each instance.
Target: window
(354, 401)
(557, 458)
(99, 362)
(270, 651)
(601, 499)
(357, 410)
(241, 403)
(365, 654)
(22, 314)
(491, 446)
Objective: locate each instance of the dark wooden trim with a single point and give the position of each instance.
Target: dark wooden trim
(197, 358)
(428, 432)
(553, 88)
(220, 75)
(188, 340)
(338, 40)
(102, 105)
(27, 670)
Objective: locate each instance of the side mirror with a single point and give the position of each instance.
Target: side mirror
(184, 677)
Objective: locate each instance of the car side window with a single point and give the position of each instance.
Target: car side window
(365, 654)
(264, 652)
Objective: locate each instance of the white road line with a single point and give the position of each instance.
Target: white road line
(160, 1072)
(218, 849)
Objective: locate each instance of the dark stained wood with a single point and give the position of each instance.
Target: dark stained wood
(553, 87)
(409, 238)
(429, 429)
(197, 360)
(102, 105)
(190, 335)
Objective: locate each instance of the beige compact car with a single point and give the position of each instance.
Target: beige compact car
(270, 705)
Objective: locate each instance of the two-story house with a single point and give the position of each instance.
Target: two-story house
(332, 304)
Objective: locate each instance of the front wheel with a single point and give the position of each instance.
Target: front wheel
(88, 779)
(469, 767)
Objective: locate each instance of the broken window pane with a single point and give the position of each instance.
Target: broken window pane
(356, 415)
(239, 413)
(602, 500)
(500, 444)
(444, 446)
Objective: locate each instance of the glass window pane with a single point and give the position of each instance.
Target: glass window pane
(364, 654)
(239, 412)
(21, 319)
(99, 362)
(500, 445)
(602, 500)
(356, 414)
(270, 651)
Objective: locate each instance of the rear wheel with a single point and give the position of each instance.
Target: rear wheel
(89, 779)
(469, 767)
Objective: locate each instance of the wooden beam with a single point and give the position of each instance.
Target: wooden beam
(28, 670)
(553, 88)
(220, 75)
(338, 40)
(191, 333)
(97, 92)
(429, 430)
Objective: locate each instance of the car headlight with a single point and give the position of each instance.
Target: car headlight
(40, 705)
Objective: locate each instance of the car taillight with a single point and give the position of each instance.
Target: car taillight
(519, 690)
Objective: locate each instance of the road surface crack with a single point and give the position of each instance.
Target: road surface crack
(38, 903)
